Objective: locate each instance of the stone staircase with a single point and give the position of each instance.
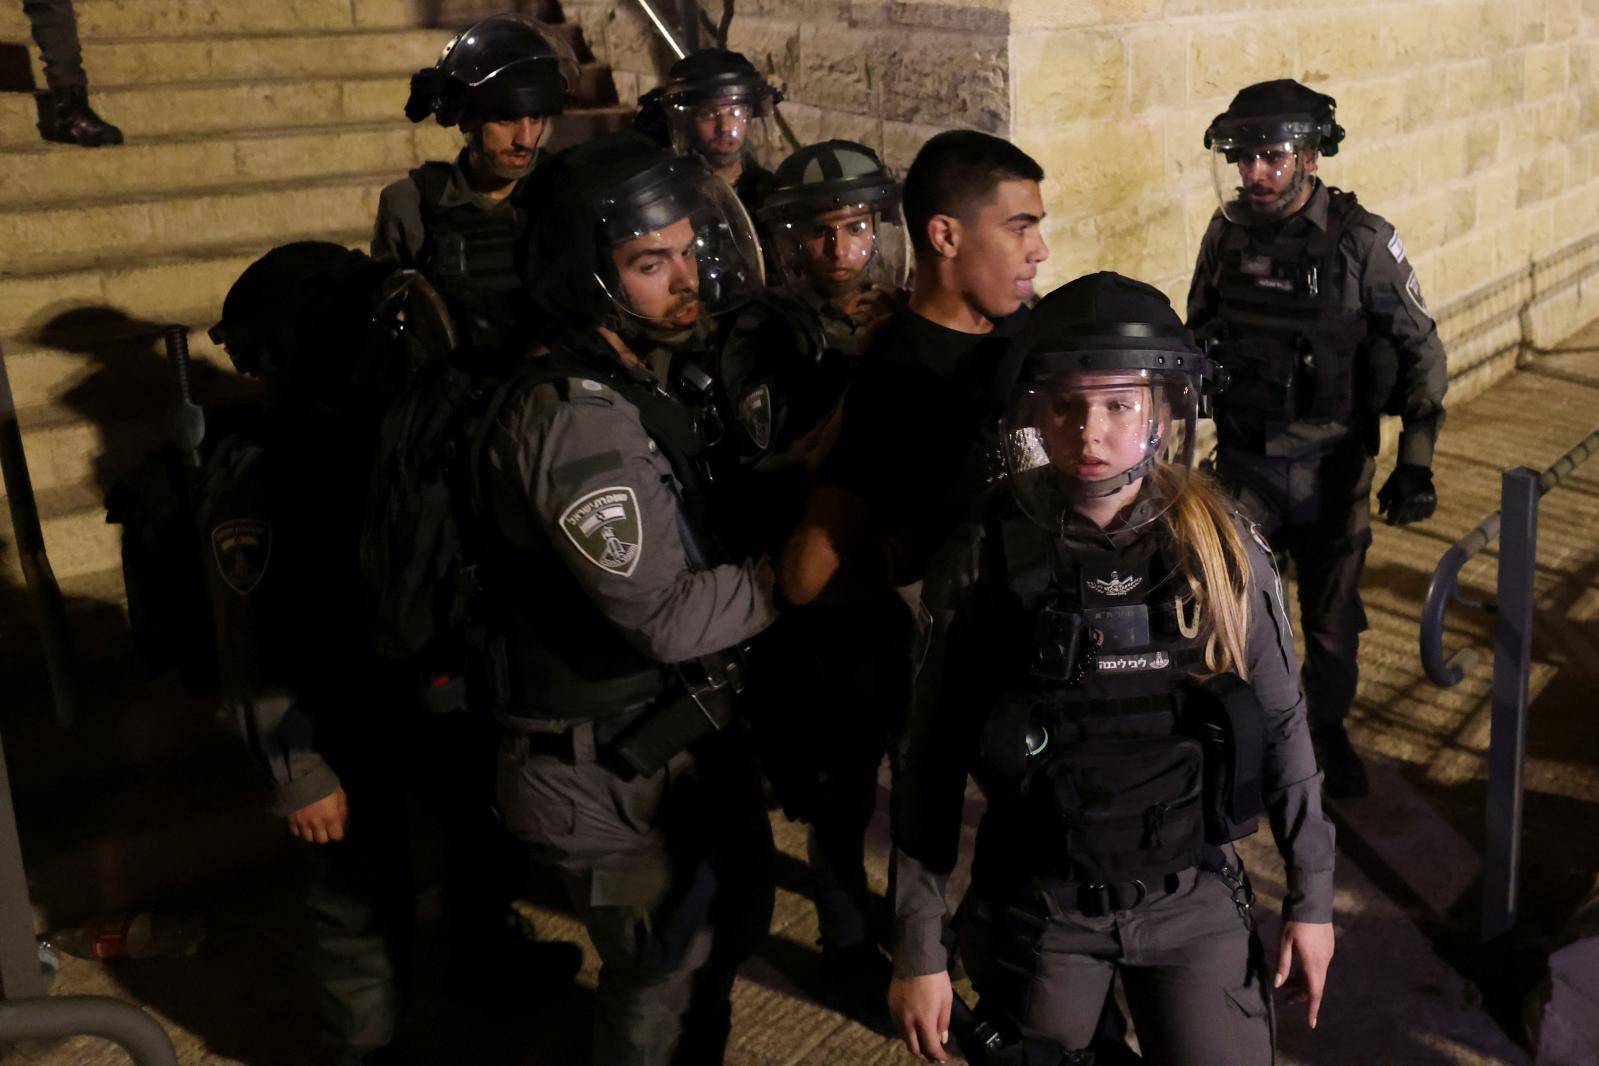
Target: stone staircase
(248, 124)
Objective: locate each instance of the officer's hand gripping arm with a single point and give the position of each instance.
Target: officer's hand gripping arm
(608, 504)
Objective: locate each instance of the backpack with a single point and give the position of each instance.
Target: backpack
(422, 536)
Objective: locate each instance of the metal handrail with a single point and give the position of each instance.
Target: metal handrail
(140, 1035)
(49, 608)
(1445, 670)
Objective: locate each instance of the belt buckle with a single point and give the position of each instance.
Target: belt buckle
(1106, 897)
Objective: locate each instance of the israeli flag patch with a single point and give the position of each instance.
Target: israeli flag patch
(1396, 248)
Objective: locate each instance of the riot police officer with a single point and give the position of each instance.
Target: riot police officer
(835, 230)
(718, 107)
(338, 729)
(1310, 304)
(619, 608)
(279, 517)
(460, 223)
(1114, 667)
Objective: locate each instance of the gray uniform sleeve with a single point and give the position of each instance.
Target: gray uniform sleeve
(280, 733)
(931, 766)
(397, 233)
(1391, 293)
(607, 500)
(1202, 298)
(1291, 783)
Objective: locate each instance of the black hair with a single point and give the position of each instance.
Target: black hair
(956, 171)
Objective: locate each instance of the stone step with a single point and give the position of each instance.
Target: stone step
(52, 236)
(151, 289)
(225, 106)
(142, 61)
(99, 19)
(97, 354)
(297, 54)
(42, 174)
(77, 538)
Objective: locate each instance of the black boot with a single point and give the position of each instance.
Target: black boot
(69, 119)
(1343, 772)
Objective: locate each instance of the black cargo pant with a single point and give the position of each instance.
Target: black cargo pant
(1188, 956)
(838, 698)
(55, 30)
(438, 775)
(671, 875)
(1316, 511)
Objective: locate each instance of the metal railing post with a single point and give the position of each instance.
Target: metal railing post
(1518, 555)
(19, 953)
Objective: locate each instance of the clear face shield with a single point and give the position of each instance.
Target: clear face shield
(1260, 180)
(1076, 441)
(676, 247)
(828, 256)
(721, 126)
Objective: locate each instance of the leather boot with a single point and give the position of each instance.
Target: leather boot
(69, 119)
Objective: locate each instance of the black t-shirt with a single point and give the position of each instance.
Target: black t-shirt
(916, 444)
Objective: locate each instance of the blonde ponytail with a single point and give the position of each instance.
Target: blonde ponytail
(1215, 566)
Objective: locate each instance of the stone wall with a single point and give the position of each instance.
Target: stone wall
(1473, 127)
(1473, 124)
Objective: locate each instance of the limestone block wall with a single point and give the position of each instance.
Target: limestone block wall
(1473, 127)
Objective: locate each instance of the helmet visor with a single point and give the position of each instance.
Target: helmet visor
(725, 127)
(1260, 180)
(676, 246)
(828, 255)
(1075, 441)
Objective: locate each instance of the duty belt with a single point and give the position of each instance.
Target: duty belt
(1099, 898)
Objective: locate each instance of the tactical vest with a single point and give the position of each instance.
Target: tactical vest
(1102, 766)
(1288, 341)
(470, 256)
(563, 658)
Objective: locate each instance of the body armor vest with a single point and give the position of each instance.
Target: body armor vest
(565, 659)
(1095, 767)
(470, 256)
(1283, 331)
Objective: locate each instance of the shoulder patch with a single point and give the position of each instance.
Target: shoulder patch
(587, 389)
(755, 412)
(242, 548)
(1396, 248)
(605, 526)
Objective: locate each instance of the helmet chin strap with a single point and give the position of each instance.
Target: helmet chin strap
(1085, 489)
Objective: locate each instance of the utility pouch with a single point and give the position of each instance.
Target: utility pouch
(1225, 717)
(1130, 806)
(710, 687)
(1061, 650)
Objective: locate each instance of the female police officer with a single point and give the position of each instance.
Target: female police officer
(1115, 669)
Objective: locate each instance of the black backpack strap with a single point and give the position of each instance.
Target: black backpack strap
(431, 179)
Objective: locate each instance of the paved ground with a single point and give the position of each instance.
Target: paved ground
(1407, 878)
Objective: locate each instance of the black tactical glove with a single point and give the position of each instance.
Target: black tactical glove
(1407, 496)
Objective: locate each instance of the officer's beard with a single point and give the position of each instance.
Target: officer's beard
(1280, 207)
(664, 330)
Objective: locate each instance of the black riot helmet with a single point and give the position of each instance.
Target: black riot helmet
(315, 320)
(620, 204)
(506, 66)
(1103, 402)
(1270, 136)
(834, 220)
(718, 105)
